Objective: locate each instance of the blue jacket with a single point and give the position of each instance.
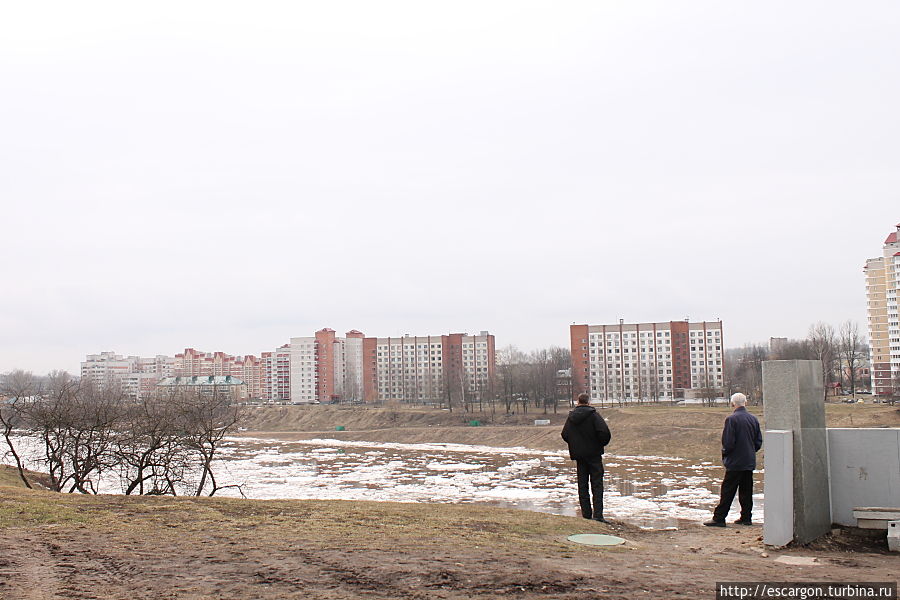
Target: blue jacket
(741, 440)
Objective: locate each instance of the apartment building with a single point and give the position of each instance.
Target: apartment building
(137, 376)
(882, 285)
(207, 386)
(325, 368)
(276, 375)
(648, 361)
(453, 367)
(248, 368)
(328, 368)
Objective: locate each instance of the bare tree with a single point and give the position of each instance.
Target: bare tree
(708, 393)
(895, 388)
(152, 456)
(76, 423)
(795, 350)
(744, 367)
(16, 388)
(851, 350)
(823, 346)
(85, 434)
(509, 368)
(206, 417)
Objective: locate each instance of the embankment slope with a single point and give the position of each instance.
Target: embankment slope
(656, 430)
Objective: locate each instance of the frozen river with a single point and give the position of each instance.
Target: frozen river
(653, 492)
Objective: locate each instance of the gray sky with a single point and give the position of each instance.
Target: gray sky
(228, 175)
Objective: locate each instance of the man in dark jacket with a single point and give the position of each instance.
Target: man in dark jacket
(587, 434)
(741, 440)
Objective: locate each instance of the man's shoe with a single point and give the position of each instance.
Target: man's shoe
(743, 522)
(715, 523)
(600, 520)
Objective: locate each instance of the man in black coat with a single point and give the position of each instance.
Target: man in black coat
(741, 440)
(587, 435)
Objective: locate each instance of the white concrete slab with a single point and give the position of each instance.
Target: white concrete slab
(778, 523)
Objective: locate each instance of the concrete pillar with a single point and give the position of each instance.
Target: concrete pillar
(778, 524)
(793, 397)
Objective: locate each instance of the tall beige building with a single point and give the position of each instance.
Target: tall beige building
(882, 285)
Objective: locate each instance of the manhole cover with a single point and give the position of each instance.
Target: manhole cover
(595, 539)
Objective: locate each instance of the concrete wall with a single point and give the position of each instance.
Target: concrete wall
(864, 470)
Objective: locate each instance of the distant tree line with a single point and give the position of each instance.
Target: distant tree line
(840, 352)
(531, 381)
(79, 435)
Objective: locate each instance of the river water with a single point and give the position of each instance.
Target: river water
(652, 492)
(648, 491)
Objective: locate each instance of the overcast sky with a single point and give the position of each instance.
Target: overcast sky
(227, 175)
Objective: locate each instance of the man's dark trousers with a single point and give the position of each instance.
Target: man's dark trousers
(591, 471)
(735, 481)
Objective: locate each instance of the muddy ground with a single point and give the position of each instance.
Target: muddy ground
(112, 547)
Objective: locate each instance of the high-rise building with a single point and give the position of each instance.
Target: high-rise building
(327, 368)
(137, 376)
(647, 361)
(249, 368)
(276, 374)
(455, 367)
(882, 285)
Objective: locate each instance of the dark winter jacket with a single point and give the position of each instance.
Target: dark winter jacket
(741, 440)
(586, 433)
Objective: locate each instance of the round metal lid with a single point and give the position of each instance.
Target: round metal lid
(595, 539)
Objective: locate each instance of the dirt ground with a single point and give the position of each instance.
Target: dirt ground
(55, 546)
(110, 547)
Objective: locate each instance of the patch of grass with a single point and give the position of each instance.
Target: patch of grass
(23, 508)
(9, 475)
(325, 524)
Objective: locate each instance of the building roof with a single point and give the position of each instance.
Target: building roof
(891, 238)
(201, 380)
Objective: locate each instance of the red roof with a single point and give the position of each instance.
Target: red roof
(896, 253)
(891, 238)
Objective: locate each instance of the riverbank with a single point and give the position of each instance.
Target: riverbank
(689, 432)
(74, 546)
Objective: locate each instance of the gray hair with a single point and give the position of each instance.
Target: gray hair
(739, 399)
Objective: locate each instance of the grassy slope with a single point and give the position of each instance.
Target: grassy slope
(381, 522)
(232, 548)
(74, 546)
